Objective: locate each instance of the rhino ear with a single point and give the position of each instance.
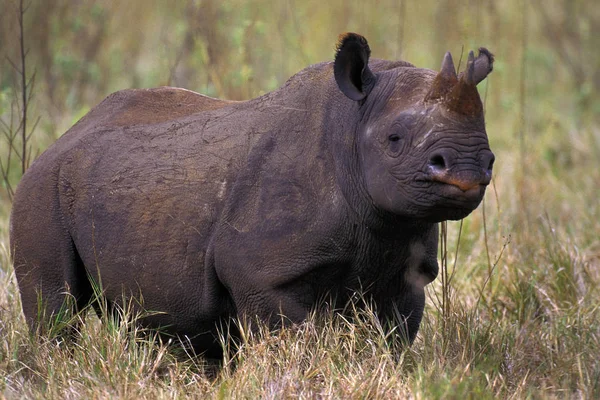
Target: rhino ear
(484, 64)
(351, 66)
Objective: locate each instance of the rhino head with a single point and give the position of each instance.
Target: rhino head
(422, 144)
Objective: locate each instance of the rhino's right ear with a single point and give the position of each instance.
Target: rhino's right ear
(351, 66)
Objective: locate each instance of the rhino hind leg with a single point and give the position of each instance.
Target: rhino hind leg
(53, 282)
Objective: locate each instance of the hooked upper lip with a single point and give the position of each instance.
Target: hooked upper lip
(464, 185)
(464, 180)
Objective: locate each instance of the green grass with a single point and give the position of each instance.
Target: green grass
(517, 314)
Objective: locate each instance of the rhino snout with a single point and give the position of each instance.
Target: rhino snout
(447, 167)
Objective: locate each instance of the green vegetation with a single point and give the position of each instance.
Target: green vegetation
(517, 317)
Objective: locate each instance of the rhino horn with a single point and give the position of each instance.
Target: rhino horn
(464, 98)
(445, 80)
(468, 75)
(447, 70)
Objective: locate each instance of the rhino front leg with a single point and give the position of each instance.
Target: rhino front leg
(404, 312)
(257, 296)
(272, 291)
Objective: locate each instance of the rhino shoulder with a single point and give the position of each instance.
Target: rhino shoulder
(379, 65)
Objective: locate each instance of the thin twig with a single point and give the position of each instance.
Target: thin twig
(460, 227)
(491, 271)
(22, 94)
(25, 103)
(522, 111)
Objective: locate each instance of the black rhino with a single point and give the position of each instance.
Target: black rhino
(213, 209)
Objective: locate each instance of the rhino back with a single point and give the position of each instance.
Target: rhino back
(150, 106)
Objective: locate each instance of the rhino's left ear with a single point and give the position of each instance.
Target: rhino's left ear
(351, 66)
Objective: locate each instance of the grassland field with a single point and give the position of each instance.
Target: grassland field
(516, 311)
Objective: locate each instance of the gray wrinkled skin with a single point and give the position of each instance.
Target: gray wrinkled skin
(209, 209)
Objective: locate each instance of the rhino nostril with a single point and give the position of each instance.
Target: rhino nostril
(491, 165)
(438, 162)
(488, 161)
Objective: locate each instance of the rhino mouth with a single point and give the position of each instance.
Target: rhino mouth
(464, 179)
(449, 202)
(452, 198)
(464, 185)
(463, 194)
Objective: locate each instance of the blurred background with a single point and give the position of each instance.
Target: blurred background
(542, 100)
(81, 51)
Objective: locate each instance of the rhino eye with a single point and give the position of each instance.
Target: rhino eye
(394, 144)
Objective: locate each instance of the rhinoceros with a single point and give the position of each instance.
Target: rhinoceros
(208, 210)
